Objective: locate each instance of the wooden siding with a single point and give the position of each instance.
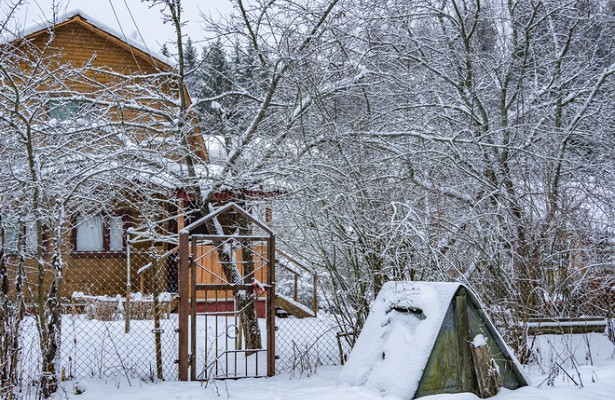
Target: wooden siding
(76, 44)
(209, 269)
(81, 44)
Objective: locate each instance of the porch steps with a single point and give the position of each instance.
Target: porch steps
(293, 307)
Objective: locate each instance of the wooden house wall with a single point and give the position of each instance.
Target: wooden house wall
(208, 270)
(76, 43)
(94, 273)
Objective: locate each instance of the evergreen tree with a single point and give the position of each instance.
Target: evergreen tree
(190, 57)
(165, 50)
(216, 70)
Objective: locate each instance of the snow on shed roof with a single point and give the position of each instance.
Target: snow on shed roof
(407, 339)
(46, 24)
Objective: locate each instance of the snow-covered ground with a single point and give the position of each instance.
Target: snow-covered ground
(102, 348)
(565, 368)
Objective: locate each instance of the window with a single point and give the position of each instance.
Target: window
(66, 113)
(99, 233)
(63, 110)
(16, 233)
(31, 237)
(10, 239)
(90, 233)
(116, 233)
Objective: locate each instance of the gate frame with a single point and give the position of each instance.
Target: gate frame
(186, 360)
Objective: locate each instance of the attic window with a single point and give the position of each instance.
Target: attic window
(63, 110)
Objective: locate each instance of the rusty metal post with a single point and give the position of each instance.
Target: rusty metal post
(193, 338)
(182, 279)
(271, 307)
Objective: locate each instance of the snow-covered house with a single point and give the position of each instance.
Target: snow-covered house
(98, 68)
(95, 68)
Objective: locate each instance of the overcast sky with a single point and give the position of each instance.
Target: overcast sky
(132, 17)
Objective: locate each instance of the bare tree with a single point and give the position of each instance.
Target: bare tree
(73, 146)
(490, 117)
(276, 43)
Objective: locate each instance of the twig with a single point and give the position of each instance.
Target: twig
(117, 352)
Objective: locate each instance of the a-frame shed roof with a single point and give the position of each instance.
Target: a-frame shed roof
(416, 342)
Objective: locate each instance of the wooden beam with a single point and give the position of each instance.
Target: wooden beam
(466, 375)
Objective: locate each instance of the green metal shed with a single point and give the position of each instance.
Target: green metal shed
(423, 338)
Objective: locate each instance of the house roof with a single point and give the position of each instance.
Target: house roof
(118, 38)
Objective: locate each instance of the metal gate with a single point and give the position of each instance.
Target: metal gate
(227, 298)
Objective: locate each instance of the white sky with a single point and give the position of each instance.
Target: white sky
(147, 21)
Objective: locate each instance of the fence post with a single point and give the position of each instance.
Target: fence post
(315, 294)
(271, 308)
(128, 285)
(182, 285)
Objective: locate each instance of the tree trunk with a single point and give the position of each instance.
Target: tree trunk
(244, 300)
(249, 319)
(49, 380)
(51, 327)
(156, 306)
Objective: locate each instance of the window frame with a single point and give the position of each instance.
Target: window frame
(106, 236)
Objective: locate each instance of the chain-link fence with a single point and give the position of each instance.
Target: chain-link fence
(107, 327)
(119, 318)
(302, 345)
(306, 337)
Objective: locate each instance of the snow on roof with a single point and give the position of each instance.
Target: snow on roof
(394, 347)
(41, 25)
